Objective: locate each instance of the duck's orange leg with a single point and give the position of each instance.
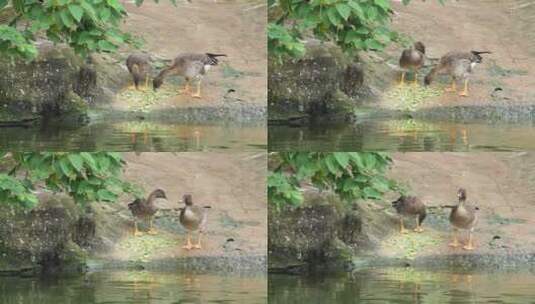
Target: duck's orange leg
(401, 227)
(470, 245)
(186, 89)
(136, 231)
(198, 93)
(188, 245)
(453, 87)
(198, 245)
(464, 93)
(151, 227)
(418, 227)
(455, 242)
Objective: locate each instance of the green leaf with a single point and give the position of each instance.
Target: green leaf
(105, 14)
(107, 46)
(77, 162)
(384, 4)
(344, 10)
(66, 19)
(106, 195)
(342, 158)
(333, 16)
(76, 11)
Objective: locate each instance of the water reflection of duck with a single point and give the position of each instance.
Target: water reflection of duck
(190, 66)
(410, 206)
(139, 67)
(146, 209)
(413, 59)
(193, 218)
(459, 65)
(463, 216)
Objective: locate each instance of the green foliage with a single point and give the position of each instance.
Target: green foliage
(85, 25)
(351, 175)
(84, 176)
(354, 25)
(12, 191)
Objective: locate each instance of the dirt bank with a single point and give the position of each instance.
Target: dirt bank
(497, 26)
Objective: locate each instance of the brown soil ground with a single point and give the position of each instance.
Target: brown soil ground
(500, 184)
(232, 184)
(233, 27)
(493, 25)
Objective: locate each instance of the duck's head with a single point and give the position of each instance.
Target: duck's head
(158, 193)
(419, 46)
(461, 194)
(188, 199)
(397, 203)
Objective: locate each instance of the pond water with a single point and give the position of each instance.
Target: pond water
(134, 135)
(134, 287)
(404, 285)
(403, 135)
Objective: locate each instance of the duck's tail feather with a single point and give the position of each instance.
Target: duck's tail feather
(212, 58)
(481, 52)
(422, 216)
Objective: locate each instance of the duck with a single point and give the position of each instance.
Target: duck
(193, 218)
(139, 67)
(413, 59)
(459, 65)
(190, 66)
(146, 209)
(463, 216)
(410, 206)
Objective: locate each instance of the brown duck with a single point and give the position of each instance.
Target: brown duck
(145, 209)
(463, 216)
(410, 206)
(193, 218)
(139, 67)
(459, 65)
(412, 59)
(190, 66)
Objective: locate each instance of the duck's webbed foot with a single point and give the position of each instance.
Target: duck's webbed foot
(402, 229)
(188, 245)
(136, 231)
(455, 243)
(469, 245)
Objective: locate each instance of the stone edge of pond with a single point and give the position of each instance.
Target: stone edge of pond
(460, 114)
(465, 261)
(219, 264)
(247, 113)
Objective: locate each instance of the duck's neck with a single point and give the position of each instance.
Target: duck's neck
(163, 73)
(152, 196)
